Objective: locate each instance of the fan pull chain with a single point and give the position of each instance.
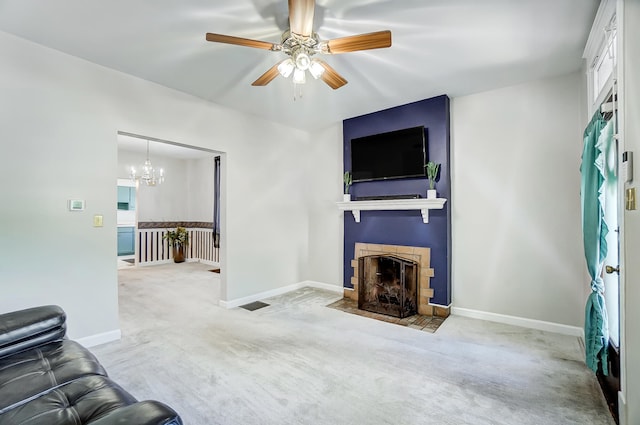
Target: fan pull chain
(297, 93)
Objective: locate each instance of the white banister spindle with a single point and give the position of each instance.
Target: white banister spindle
(154, 249)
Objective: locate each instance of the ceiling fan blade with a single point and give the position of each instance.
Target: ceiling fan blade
(301, 16)
(268, 76)
(239, 41)
(331, 76)
(373, 40)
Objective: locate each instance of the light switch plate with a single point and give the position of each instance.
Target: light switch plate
(627, 167)
(97, 221)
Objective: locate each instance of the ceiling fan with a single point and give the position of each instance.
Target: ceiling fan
(301, 44)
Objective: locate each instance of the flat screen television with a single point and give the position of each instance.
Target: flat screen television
(393, 155)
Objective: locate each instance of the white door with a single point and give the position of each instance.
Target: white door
(611, 276)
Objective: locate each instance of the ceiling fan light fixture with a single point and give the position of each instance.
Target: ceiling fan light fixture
(299, 76)
(303, 61)
(300, 43)
(316, 69)
(286, 68)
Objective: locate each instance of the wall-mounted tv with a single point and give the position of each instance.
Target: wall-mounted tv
(393, 155)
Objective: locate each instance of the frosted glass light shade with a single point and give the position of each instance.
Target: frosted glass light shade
(286, 68)
(299, 76)
(316, 69)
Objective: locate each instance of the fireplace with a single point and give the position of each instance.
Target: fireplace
(388, 284)
(418, 255)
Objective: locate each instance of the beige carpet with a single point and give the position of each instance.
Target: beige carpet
(299, 362)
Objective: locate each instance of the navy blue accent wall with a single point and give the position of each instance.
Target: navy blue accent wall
(405, 227)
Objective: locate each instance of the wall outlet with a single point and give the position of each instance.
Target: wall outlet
(97, 221)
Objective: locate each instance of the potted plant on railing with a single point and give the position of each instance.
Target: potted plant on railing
(432, 174)
(178, 239)
(348, 180)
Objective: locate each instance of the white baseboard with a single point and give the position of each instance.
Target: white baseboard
(259, 296)
(326, 286)
(519, 321)
(103, 338)
(622, 409)
(278, 291)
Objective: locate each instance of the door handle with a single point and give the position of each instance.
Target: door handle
(611, 270)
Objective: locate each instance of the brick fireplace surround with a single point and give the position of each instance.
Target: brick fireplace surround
(420, 255)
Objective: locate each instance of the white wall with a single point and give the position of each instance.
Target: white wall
(267, 218)
(186, 194)
(326, 225)
(59, 117)
(200, 193)
(165, 202)
(517, 244)
(629, 10)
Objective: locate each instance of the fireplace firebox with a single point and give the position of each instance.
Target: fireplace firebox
(387, 284)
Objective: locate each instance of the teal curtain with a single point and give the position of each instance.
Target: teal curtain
(594, 230)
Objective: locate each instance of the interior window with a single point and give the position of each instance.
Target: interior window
(605, 62)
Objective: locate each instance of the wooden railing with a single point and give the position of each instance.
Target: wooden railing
(152, 248)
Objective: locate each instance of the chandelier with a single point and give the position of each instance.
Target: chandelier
(150, 175)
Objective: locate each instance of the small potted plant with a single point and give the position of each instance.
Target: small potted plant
(348, 180)
(432, 173)
(178, 239)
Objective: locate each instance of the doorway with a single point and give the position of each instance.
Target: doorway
(185, 198)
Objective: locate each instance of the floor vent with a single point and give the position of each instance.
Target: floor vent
(254, 305)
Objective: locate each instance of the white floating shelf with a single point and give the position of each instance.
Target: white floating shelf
(422, 204)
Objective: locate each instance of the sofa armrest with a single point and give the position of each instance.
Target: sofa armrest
(141, 413)
(24, 329)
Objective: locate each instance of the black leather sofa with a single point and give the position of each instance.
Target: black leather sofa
(46, 379)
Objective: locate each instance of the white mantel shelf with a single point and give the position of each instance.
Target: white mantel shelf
(422, 204)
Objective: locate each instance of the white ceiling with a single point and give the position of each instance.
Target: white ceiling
(453, 47)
